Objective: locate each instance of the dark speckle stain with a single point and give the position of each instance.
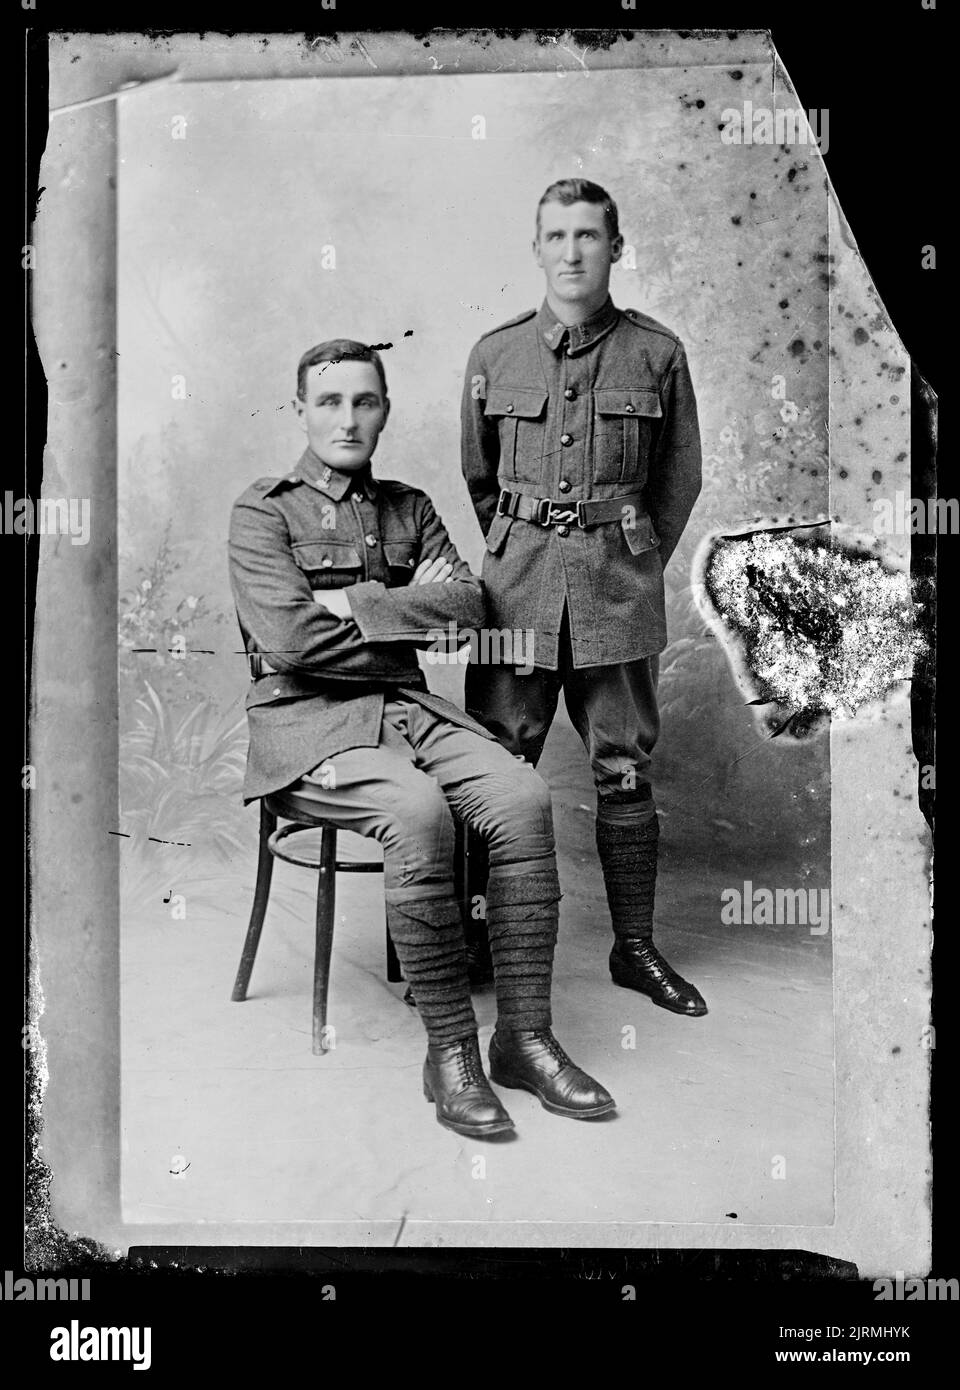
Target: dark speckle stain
(901, 457)
(894, 1050)
(817, 344)
(737, 75)
(753, 195)
(784, 304)
(76, 798)
(842, 472)
(798, 347)
(877, 476)
(860, 336)
(736, 221)
(732, 1215)
(858, 420)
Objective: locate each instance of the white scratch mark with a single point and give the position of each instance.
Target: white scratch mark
(122, 90)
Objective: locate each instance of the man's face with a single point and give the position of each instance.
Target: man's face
(574, 250)
(343, 412)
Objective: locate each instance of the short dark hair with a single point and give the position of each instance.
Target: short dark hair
(338, 350)
(568, 191)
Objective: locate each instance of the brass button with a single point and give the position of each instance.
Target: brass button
(563, 530)
(510, 408)
(566, 439)
(570, 394)
(326, 562)
(370, 540)
(564, 485)
(628, 408)
(570, 352)
(276, 690)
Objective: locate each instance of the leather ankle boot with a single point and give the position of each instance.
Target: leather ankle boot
(635, 963)
(454, 1080)
(533, 1060)
(628, 857)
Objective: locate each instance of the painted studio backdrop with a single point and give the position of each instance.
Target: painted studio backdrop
(258, 218)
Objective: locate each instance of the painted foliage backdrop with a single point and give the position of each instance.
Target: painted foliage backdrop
(259, 218)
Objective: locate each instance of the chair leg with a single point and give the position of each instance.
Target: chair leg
(326, 910)
(268, 824)
(471, 871)
(393, 972)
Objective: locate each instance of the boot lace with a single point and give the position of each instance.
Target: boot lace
(471, 1067)
(553, 1047)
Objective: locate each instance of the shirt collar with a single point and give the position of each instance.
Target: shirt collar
(582, 335)
(334, 483)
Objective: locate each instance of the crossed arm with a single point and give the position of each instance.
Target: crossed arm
(368, 632)
(337, 601)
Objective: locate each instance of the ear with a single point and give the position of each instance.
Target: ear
(300, 409)
(537, 253)
(616, 249)
(386, 410)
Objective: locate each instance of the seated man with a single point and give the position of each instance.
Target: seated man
(338, 577)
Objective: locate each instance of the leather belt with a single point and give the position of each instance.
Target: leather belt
(259, 666)
(545, 511)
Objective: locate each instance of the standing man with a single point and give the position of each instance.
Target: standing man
(581, 451)
(338, 578)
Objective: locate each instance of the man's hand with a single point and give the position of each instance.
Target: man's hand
(335, 601)
(437, 571)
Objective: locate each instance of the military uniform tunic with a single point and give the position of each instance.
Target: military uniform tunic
(602, 410)
(315, 529)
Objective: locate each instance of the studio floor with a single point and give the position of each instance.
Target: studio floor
(228, 1117)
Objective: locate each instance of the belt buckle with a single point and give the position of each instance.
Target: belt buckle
(561, 514)
(500, 508)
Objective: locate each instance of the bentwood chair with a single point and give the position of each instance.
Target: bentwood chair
(295, 843)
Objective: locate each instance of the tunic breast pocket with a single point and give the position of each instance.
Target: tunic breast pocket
(401, 558)
(520, 413)
(623, 433)
(329, 564)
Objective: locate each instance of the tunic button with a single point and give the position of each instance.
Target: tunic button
(563, 530)
(564, 485)
(566, 439)
(570, 394)
(510, 408)
(628, 408)
(370, 540)
(276, 690)
(325, 562)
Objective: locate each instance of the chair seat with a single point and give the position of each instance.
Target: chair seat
(301, 845)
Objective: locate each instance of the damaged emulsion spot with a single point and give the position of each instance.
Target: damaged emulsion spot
(821, 631)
